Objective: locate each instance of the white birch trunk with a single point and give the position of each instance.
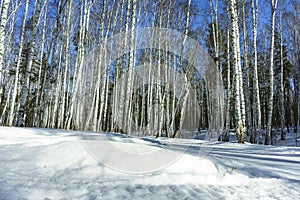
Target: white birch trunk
(41, 58)
(215, 30)
(99, 92)
(26, 85)
(7, 56)
(97, 97)
(215, 25)
(187, 89)
(241, 90)
(54, 112)
(282, 114)
(78, 71)
(15, 88)
(247, 69)
(127, 112)
(103, 97)
(269, 139)
(117, 90)
(4, 9)
(110, 26)
(98, 79)
(105, 81)
(256, 97)
(132, 60)
(168, 78)
(81, 96)
(3, 115)
(229, 95)
(124, 101)
(173, 111)
(67, 64)
(236, 65)
(150, 97)
(159, 108)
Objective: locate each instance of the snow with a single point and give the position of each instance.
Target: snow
(58, 164)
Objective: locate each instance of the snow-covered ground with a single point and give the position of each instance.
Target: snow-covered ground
(57, 164)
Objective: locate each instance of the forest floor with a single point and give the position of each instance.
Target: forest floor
(57, 164)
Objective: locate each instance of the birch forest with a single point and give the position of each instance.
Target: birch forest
(101, 65)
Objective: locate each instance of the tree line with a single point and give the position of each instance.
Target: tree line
(54, 72)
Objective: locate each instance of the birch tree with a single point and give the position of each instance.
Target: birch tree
(229, 92)
(168, 72)
(247, 69)
(99, 72)
(127, 112)
(239, 105)
(215, 31)
(105, 77)
(78, 67)
(256, 95)
(269, 139)
(9, 62)
(282, 112)
(57, 91)
(186, 92)
(159, 109)
(19, 58)
(67, 61)
(26, 85)
(4, 9)
(41, 59)
(297, 70)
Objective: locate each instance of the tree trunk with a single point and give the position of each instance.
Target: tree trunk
(282, 114)
(128, 99)
(187, 89)
(215, 31)
(256, 96)
(4, 8)
(236, 65)
(78, 69)
(66, 65)
(160, 107)
(54, 117)
(168, 78)
(26, 85)
(269, 139)
(229, 93)
(247, 69)
(15, 88)
(41, 58)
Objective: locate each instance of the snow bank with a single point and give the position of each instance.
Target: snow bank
(55, 164)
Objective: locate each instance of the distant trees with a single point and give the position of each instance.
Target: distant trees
(55, 73)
